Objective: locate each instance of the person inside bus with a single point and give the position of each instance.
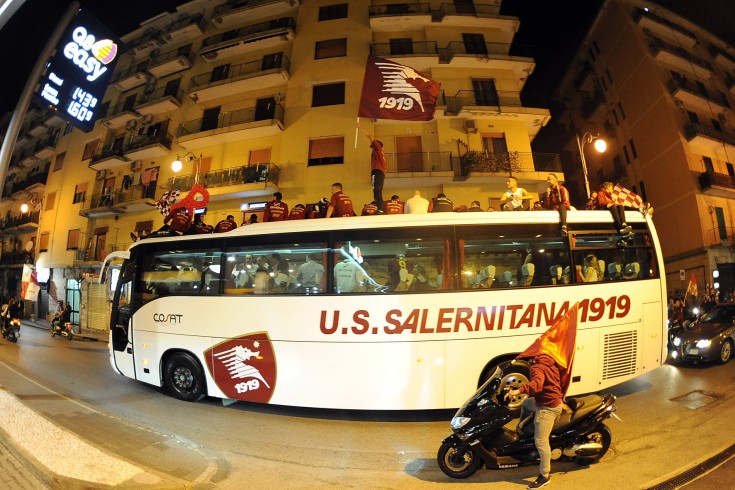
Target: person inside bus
(347, 276)
(557, 198)
(589, 271)
(310, 274)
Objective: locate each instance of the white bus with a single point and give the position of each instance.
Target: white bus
(402, 312)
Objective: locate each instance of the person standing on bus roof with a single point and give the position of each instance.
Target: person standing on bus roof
(340, 205)
(513, 198)
(275, 210)
(544, 401)
(557, 198)
(377, 168)
(416, 204)
(394, 206)
(441, 204)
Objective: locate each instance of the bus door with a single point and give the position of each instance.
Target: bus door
(121, 322)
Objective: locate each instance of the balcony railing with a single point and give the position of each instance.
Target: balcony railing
(640, 13)
(180, 24)
(228, 7)
(228, 120)
(509, 162)
(657, 45)
(436, 15)
(476, 10)
(717, 236)
(118, 198)
(399, 9)
(591, 104)
(37, 178)
(49, 141)
(251, 69)
(139, 68)
(14, 258)
(498, 99)
(439, 161)
(710, 179)
(692, 87)
(125, 106)
(107, 152)
(19, 220)
(158, 94)
(418, 48)
(139, 141)
(150, 36)
(692, 130)
(251, 31)
(246, 174)
(171, 55)
(455, 48)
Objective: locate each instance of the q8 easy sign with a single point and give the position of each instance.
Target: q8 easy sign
(78, 74)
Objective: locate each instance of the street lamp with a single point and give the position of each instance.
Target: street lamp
(177, 164)
(600, 146)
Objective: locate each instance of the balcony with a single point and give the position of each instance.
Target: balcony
(730, 82)
(120, 114)
(720, 237)
(45, 147)
(109, 157)
(233, 13)
(243, 181)
(20, 224)
(659, 26)
(38, 128)
(680, 58)
(247, 77)
(32, 183)
(400, 17)
(159, 101)
(423, 54)
(144, 45)
(697, 96)
(171, 62)
(586, 77)
(27, 158)
(181, 31)
(723, 58)
(133, 199)
(418, 168)
(141, 147)
(232, 126)
(250, 38)
(594, 107)
(53, 120)
(716, 184)
(709, 141)
(133, 77)
(486, 55)
(478, 101)
(484, 167)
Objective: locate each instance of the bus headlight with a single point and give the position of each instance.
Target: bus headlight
(677, 341)
(704, 343)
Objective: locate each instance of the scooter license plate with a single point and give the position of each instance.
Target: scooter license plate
(694, 352)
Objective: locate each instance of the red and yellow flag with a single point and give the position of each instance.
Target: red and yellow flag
(559, 342)
(692, 288)
(394, 91)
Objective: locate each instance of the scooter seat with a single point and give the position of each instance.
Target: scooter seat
(577, 408)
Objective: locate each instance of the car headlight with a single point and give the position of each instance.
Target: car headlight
(459, 422)
(677, 341)
(704, 343)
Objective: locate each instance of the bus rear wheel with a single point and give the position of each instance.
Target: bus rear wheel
(183, 377)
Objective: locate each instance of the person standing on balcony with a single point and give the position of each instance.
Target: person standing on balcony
(377, 169)
(513, 198)
(275, 210)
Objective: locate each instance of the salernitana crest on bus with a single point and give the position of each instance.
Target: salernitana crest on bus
(244, 368)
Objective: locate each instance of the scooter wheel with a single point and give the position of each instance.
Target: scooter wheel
(455, 465)
(70, 336)
(601, 435)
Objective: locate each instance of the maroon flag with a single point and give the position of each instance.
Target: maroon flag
(394, 91)
(559, 342)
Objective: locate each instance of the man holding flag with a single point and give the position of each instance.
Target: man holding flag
(551, 357)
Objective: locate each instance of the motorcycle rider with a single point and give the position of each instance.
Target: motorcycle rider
(545, 396)
(12, 311)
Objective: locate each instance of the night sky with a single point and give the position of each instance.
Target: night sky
(550, 30)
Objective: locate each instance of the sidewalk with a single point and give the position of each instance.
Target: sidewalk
(106, 452)
(84, 333)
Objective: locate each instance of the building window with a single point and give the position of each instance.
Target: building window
(80, 192)
(609, 77)
(708, 167)
(43, 245)
(72, 239)
(50, 201)
(69, 128)
(643, 190)
(328, 94)
(620, 108)
(59, 161)
(401, 45)
(591, 53)
(632, 148)
(331, 12)
(331, 48)
(625, 152)
(597, 48)
(615, 117)
(90, 149)
(604, 84)
(326, 151)
(716, 124)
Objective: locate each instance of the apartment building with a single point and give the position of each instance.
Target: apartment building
(660, 90)
(262, 96)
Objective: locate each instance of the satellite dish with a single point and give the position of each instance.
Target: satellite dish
(29, 245)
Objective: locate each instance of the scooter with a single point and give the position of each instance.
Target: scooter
(11, 330)
(480, 435)
(66, 331)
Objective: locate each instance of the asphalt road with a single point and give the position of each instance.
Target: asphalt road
(672, 419)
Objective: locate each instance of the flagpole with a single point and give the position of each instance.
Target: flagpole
(356, 129)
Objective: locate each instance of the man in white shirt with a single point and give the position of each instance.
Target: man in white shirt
(513, 198)
(416, 204)
(347, 276)
(310, 273)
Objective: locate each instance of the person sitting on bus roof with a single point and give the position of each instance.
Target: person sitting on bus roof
(275, 209)
(474, 208)
(340, 205)
(180, 220)
(515, 198)
(253, 219)
(199, 227)
(605, 201)
(441, 204)
(416, 204)
(297, 212)
(226, 224)
(557, 198)
(394, 206)
(369, 209)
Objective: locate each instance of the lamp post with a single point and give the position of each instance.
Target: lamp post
(600, 146)
(176, 165)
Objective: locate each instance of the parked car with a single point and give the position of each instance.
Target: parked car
(711, 338)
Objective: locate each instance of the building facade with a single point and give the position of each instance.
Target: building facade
(258, 97)
(660, 90)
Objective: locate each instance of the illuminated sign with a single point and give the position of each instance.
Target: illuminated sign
(253, 206)
(78, 74)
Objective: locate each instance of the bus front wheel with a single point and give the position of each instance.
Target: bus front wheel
(183, 377)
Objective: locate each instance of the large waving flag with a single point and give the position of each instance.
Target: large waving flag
(627, 198)
(394, 91)
(559, 342)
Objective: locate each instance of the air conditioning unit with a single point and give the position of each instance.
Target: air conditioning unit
(131, 124)
(470, 126)
(101, 174)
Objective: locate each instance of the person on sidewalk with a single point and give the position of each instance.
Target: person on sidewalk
(544, 402)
